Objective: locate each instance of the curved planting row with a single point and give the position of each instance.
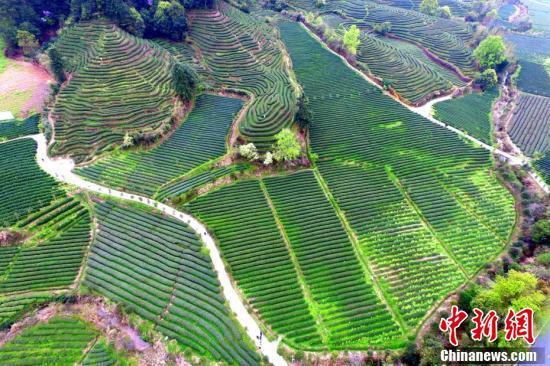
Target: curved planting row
(13, 306)
(406, 70)
(448, 39)
(530, 125)
(120, 84)
(470, 113)
(251, 243)
(200, 139)
(187, 184)
(99, 355)
(14, 128)
(25, 187)
(534, 78)
(458, 7)
(59, 341)
(52, 264)
(240, 52)
(403, 252)
(155, 266)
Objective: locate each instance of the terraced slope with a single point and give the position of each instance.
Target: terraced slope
(412, 264)
(534, 78)
(470, 113)
(99, 355)
(25, 187)
(51, 264)
(201, 138)
(258, 259)
(241, 52)
(12, 307)
(530, 130)
(445, 38)
(458, 8)
(400, 65)
(119, 84)
(348, 304)
(156, 267)
(14, 128)
(60, 341)
(294, 275)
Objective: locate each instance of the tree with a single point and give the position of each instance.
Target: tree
(303, 115)
(27, 42)
(268, 159)
(517, 290)
(169, 20)
(486, 79)
(185, 81)
(382, 28)
(541, 232)
(249, 151)
(287, 146)
(445, 12)
(429, 7)
(491, 52)
(351, 39)
(128, 141)
(57, 65)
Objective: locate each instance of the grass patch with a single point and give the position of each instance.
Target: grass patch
(15, 101)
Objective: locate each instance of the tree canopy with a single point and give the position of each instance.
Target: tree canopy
(351, 39)
(491, 52)
(287, 146)
(303, 115)
(517, 291)
(185, 81)
(541, 232)
(429, 7)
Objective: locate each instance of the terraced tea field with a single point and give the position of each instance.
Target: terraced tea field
(534, 78)
(27, 187)
(17, 128)
(240, 52)
(530, 130)
(200, 139)
(59, 341)
(119, 84)
(405, 68)
(447, 39)
(530, 125)
(470, 113)
(157, 268)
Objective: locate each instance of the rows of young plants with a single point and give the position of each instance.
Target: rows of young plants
(405, 255)
(253, 247)
(119, 84)
(534, 78)
(99, 355)
(530, 124)
(51, 264)
(17, 128)
(447, 181)
(352, 312)
(448, 39)
(241, 52)
(12, 307)
(543, 166)
(187, 184)
(201, 138)
(458, 7)
(470, 113)
(157, 268)
(25, 187)
(59, 341)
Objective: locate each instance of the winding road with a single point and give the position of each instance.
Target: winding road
(61, 169)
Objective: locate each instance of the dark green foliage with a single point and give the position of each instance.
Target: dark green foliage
(541, 232)
(465, 298)
(169, 20)
(34, 17)
(57, 65)
(303, 116)
(15, 128)
(486, 79)
(185, 81)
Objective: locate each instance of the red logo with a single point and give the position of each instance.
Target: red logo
(519, 325)
(452, 323)
(485, 326)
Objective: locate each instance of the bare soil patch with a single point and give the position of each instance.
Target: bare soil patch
(24, 86)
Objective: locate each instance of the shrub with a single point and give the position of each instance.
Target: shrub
(491, 52)
(287, 146)
(249, 151)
